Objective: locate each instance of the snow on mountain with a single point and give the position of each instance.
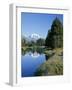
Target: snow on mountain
(35, 36)
(32, 37)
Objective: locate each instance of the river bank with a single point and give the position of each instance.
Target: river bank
(54, 64)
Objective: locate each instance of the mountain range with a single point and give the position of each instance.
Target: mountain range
(33, 37)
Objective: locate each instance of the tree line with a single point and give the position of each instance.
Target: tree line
(39, 42)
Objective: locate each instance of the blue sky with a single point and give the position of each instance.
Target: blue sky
(37, 23)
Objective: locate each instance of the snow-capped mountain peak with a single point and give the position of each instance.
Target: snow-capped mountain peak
(35, 36)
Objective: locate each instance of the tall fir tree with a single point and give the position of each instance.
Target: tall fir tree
(54, 37)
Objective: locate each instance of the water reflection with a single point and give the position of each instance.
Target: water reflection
(29, 63)
(31, 60)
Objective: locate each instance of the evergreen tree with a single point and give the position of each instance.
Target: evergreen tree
(40, 42)
(54, 38)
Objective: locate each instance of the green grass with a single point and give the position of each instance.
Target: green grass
(54, 67)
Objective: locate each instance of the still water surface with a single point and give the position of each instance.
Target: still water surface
(30, 63)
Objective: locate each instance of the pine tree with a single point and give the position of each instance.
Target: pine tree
(54, 38)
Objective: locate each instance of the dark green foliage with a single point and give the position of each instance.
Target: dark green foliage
(31, 43)
(54, 38)
(40, 42)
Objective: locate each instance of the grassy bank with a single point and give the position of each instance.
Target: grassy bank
(53, 66)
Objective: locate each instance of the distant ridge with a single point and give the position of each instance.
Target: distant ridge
(33, 37)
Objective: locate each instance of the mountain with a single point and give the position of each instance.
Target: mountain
(33, 37)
